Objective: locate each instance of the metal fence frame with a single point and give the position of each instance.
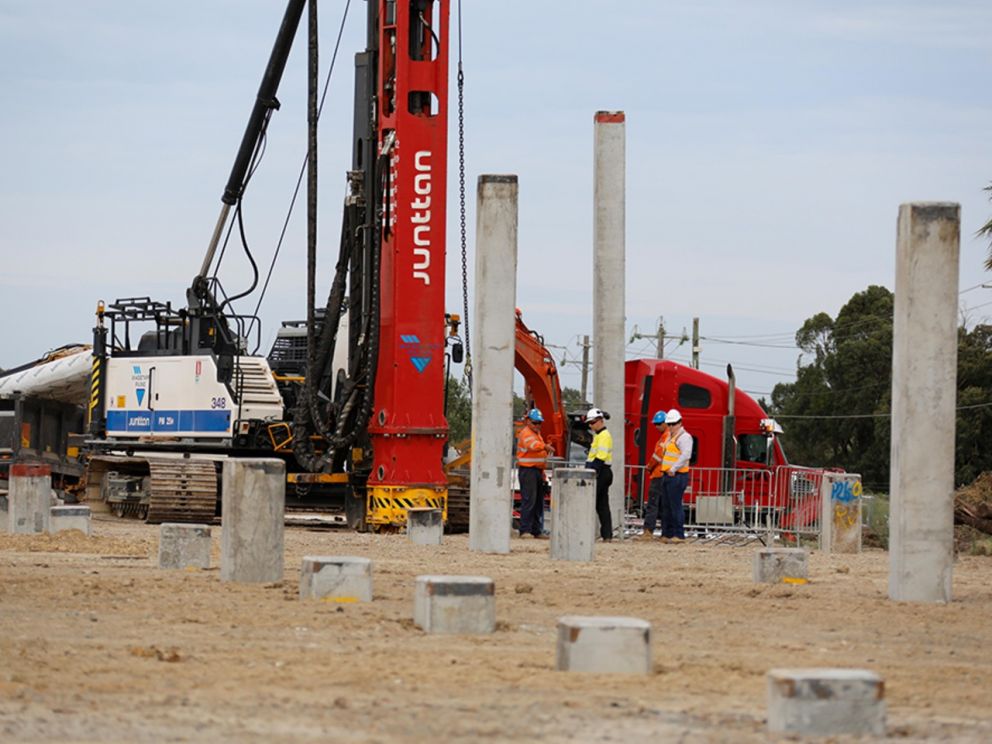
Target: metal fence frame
(756, 503)
(743, 503)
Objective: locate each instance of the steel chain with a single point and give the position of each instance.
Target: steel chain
(461, 205)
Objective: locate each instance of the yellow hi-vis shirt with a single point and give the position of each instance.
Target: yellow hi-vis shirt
(602, 447)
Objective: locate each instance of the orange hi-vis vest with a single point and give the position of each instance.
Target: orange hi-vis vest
(532, 452)
(672, 454)
(655, 470)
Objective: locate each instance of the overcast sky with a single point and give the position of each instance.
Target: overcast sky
(769, 145)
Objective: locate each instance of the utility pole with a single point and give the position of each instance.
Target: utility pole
(585, 368)
(659, 336)
(695, 343)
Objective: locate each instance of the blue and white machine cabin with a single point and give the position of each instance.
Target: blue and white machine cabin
(179, 396)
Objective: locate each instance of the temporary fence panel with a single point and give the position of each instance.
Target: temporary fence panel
(782, 504)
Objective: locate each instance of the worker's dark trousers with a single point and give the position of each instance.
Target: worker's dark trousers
(672, 515)
(655, 494)
(604, 477)
(530, 500)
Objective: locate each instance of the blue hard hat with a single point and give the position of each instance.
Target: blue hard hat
(659, 418)
(535, 416)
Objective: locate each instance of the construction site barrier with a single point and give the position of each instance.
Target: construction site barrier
(781, 504)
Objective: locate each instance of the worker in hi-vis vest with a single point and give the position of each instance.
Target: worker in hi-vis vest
(532, 456)
(656, 476)
(675, 465)
(600, 459)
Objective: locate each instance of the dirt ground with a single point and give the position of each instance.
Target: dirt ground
(97, 644)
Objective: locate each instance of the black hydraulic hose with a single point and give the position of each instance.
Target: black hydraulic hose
(265, 100)
(251, 260)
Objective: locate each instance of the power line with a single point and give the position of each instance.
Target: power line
(748, 343)
(828, 391)
(977, 286)
(867, 415)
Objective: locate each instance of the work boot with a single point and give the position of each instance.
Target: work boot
(664, 539)
(526, 536)
(646, 536)
(677, 540)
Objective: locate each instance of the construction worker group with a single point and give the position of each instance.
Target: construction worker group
(668, 472)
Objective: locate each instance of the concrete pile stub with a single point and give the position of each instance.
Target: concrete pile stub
(614, 645)
(74, 517)
(826, 702)
(342, 578)
(183, 545)
(781, 565)
(455, 604)
(840, 513)
(425, 526)
(253, 513)
(573, 514)
(29, 499)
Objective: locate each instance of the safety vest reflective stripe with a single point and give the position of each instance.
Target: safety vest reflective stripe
(655, 471)
(672, 454)
(531, 450)
(601, 448)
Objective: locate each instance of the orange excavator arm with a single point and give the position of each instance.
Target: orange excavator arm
(543, 388)
(542, 391)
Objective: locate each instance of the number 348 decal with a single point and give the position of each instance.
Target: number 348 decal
(218, 402)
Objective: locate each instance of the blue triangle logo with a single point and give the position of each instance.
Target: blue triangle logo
(420, 362)
(141, 395)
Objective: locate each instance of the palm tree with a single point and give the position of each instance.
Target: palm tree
(986, 230)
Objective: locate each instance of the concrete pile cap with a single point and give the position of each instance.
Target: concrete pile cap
(343, 578)
(179, 529)
(347, 563)
(30, 470)
(827, 683)
(424, 515)
(75, 510)
(826, 702)
(603, 645)
(602, 622)
(457, 586)
(574, 473)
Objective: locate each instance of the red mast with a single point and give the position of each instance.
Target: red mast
(408, 428)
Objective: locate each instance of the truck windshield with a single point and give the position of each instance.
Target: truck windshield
(752, 448)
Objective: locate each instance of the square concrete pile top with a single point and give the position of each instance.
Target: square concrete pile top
(826, 702)
(827, 683)
(73, 510)
(457, 586)
(353, 563)
(603, 622)
(603, 645)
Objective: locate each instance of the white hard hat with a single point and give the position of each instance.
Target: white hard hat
(673, 416)
(594, 413)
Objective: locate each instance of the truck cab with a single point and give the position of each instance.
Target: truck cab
(738, 466)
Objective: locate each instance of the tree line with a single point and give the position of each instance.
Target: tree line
(837, 412)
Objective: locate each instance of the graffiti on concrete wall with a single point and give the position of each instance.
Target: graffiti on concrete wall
(845, 498)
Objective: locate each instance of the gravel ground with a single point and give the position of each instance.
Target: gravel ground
(97, 644)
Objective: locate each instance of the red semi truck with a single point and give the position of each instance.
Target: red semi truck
(740, 475)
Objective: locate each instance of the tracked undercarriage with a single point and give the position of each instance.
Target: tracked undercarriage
(157, 489)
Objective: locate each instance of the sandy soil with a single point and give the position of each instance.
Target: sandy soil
(97, 644)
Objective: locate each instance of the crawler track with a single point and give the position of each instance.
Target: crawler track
(182, 490)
